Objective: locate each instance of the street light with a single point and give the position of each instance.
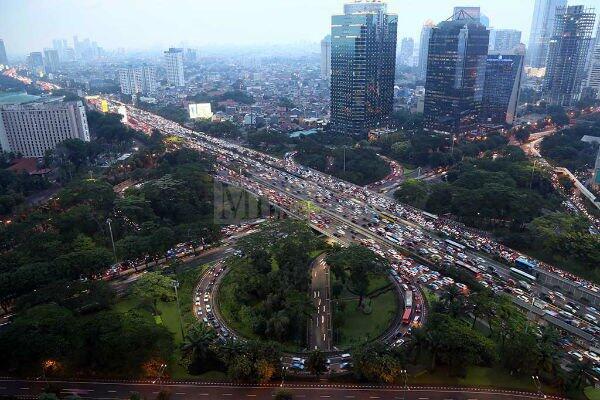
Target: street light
(160, 374)
(112, 240)
(282, 372)
(538, 385)
(405, 374)
(175, 286)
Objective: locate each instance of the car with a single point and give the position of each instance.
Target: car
(592, 356)
(345, 365)
(576, 355)
(398, 342)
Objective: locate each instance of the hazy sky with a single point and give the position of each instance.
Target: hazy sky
(29, 25)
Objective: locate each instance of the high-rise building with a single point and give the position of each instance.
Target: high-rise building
(31, 130)
(134, 80)
(363, 63)
(504, 40)
(51, 61)
(542, 26)
(503, 75)
(567, 54)
(593, 77)
(407, 47)
(35, 63)
(455, 74)
(326, 57)
(3, 58)
(190, 55)
(424, 48)
(174, 66)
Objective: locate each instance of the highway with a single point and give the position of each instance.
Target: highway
(320, 330)
(347, 211)
(29, 389)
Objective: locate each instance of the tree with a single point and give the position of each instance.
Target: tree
(316, 363)
(413, 192)
(152, 287)
(355, 265)
(376, 363)
(197, 345)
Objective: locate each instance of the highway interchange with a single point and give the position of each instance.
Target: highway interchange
(409, 238)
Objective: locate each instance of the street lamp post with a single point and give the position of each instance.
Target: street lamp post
(405, 374)
(538, 385)
(282, 373)
(112, 239)
(175, 286)
(160, 374)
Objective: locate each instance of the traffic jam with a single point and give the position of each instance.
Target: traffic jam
(355, 214)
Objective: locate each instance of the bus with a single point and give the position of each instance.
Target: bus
(469, 268)
(429, 215)
(524, 264)
(406, 316)
(455, 245)
(521, 275)
(408, 299)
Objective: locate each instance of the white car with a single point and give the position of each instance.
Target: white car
(592, 356)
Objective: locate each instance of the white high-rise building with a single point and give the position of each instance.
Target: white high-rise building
(174, 65)
(593, 77)
(326, 57)
(504, 40)
(424, 49)
(542, 27)
(33, 129)
(134, 80)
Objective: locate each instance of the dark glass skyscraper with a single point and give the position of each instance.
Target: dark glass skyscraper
(503, 76)
(456, 64)
(567, 54)
(363, 64)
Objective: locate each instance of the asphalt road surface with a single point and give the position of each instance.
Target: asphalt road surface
(304, 391)
(320, 330)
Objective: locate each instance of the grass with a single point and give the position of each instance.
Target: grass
(495, 377)
(592, 393)
(357, 326)
(169, 317)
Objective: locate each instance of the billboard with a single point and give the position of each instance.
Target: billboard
(200, 110)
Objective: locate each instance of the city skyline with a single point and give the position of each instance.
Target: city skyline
(223, 24)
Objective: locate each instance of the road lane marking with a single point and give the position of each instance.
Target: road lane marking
(111, 391)
(250, 395)
(180, 393)
(23, 388)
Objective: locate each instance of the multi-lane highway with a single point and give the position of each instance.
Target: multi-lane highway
(320, 330)
(355, 214)
(28, 389)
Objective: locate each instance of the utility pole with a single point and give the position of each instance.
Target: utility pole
(532, 171)
(112, 240)
(175, 286)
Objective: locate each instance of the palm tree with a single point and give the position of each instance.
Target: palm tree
(197, 341)
(580, 375)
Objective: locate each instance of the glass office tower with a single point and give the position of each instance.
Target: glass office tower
(567, 54)
(456, 64)
(363, 64)
(503, 75)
